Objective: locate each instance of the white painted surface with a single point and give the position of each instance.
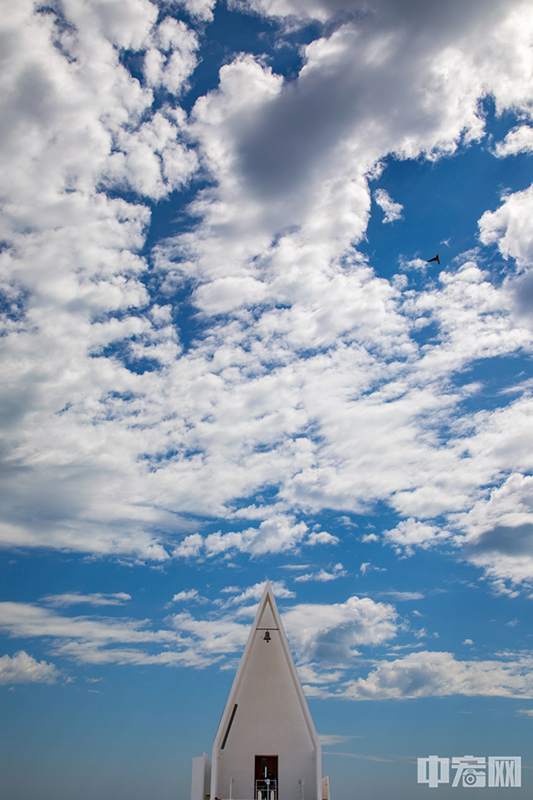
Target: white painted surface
(272, 718)
(201, 777)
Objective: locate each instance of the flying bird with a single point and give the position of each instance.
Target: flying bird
(437, 259)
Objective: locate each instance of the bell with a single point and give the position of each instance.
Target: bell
(267, 637)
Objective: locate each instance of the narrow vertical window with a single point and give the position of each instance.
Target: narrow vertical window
(230, 723)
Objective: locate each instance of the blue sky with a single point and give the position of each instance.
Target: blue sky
(225, 357)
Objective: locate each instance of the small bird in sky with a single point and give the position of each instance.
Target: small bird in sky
(437, 259)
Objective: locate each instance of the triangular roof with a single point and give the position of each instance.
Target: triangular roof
(266, 618)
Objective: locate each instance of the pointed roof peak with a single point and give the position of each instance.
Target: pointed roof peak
(270, 617)
(266, 658)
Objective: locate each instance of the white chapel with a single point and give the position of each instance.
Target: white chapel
(266, 746)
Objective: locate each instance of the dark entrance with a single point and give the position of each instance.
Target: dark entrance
(266, 777)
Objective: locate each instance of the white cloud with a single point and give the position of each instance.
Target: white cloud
(323, 575)
(319, 635)
(403, 596)
(190, 547)
(310, 674)
(93, 599)
(202, 9)
(72, 256)
(499, 526)
(314, 385)
(25, 619)
(509, 227)
(391, 210)
(126, 26)
(223, 295)
(420, 61)
(410, 532)
(327, 739)
(23, 668)
(255, 592)
(188, 594)
(331, 632)
(221, 635)
(171, 59)
(419, 264)
(322, 537)
(317, 632)
(151, 160)
(297, 152)
(276, 535)
(519, 140)
(366, 566)
(100, 640)
(437, 674)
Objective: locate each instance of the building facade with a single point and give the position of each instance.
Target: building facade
(266, 746)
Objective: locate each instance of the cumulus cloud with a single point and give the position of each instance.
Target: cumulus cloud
(323, 575)
(76, 120)
(212, 636)
(391, 210)
(310, 675)
(272, 536)
(297, 152)
(411, 532)
(437, 674)
(519, 140)
(188, 595)
(320, 634)
(366, 566)
(171, 58)
(190, 547)
(23, 668)
(202, 9)
(317, 632)
(332, 632)
(255, 592)
(419, 264)
(506, 554)
(520, 289)
(322, 537)
(307, 383)
(508, 227)
(499, 531)
(396, 46)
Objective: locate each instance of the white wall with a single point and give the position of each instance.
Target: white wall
(201, 777)
(272, 718)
